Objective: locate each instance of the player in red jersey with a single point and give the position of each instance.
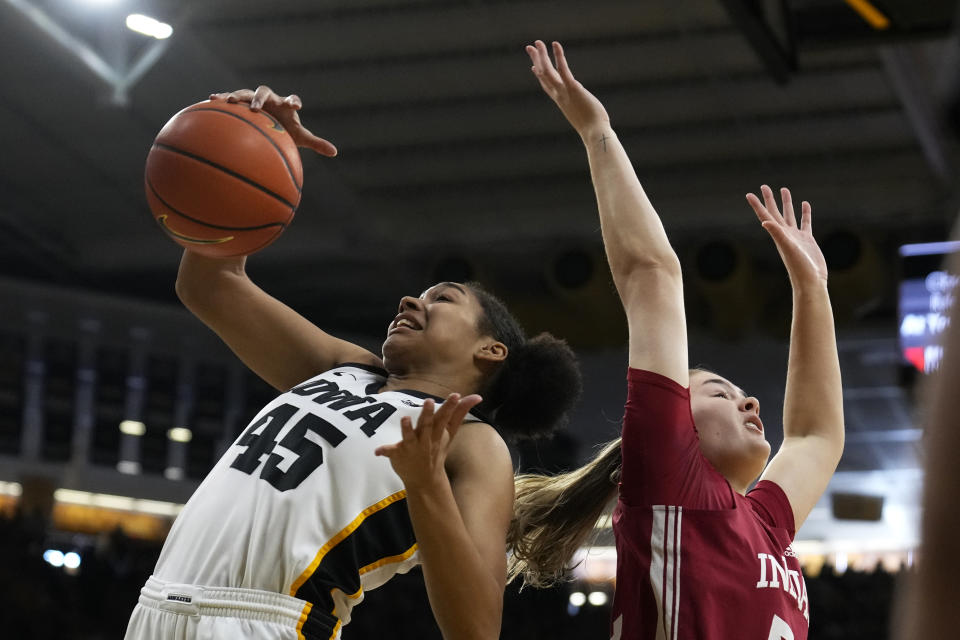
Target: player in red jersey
(700, 556)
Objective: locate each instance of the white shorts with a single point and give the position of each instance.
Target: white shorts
(168, 611)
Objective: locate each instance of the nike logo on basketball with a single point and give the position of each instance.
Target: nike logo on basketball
(162, 221)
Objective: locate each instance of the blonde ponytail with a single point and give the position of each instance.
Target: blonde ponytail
(554, 516)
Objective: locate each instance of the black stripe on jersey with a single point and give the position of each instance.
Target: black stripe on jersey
(385, 535)
(319, 625)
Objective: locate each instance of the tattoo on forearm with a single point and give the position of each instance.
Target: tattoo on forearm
(603, 141)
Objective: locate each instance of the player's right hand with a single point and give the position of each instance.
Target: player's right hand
(420, 456)
(283, 109)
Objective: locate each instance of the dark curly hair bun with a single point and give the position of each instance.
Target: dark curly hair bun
(537, 389)
(539, 382)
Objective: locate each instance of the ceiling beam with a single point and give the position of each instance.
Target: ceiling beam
(779, 58)
(454, 30)
(907, 70)
(120, 78)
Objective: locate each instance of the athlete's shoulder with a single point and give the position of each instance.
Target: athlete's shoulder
(771, 505)
(476, 444)
(644, 382)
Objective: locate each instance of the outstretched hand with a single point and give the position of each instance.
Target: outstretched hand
(283, 109)
(581, 108)
(419, 457)
(798, 249)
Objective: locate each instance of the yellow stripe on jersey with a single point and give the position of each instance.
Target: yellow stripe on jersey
(350, 596)
(370, 567)
(342, 535)
(303, 618)
(336, 629)
(398, 558)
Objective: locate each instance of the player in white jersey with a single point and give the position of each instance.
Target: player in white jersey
(332, 489)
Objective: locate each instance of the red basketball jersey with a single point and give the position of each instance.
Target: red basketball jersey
(696, 560)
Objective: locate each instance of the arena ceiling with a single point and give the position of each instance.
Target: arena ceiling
(451, 161)
(453, 164)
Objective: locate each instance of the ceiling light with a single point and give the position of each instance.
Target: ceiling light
(123, 503)
(180, 434)
(53, 557)
(129, 467)
(173, 473)
(149, 26)
(107, 501)
(10, 489)
(133, 428)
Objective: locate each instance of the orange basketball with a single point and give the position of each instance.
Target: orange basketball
(222, 180)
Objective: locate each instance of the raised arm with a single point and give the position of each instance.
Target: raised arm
(273, 340)
(813, 430)
(645, 267)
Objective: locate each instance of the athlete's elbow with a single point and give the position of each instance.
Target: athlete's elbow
(201, 279)
(194, 297)
(647, 265)
(185, 290)
(209, 292)
(827, 446)
(834, 437)
(839, 443)
(190, 282)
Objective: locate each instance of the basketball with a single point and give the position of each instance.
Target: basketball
(222, 180)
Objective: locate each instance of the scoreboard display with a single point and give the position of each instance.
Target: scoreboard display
(928, 285)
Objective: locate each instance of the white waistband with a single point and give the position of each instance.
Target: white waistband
(191, 599)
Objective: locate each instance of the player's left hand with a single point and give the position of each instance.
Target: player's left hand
(798, 249)
(581, 108)
(419, 457)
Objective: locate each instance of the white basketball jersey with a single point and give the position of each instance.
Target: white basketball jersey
(300, 505)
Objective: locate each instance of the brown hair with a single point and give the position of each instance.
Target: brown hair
(553, 516)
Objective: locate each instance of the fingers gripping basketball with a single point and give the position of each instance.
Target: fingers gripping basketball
(223, 180)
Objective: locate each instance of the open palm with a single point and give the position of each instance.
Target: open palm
(798, 249)
(581, 108)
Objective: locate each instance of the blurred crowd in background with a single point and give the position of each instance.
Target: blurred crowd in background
(93, 600)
